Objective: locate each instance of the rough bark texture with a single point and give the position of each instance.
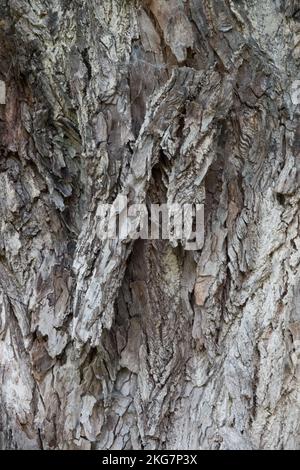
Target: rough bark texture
(121, 344)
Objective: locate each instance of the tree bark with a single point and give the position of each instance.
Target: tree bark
(143, 344)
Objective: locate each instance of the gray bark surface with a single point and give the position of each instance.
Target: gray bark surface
(122, 344)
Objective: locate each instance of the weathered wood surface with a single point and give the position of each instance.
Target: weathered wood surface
(113, 345)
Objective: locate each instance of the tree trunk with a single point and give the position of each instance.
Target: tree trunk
(121, 344)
